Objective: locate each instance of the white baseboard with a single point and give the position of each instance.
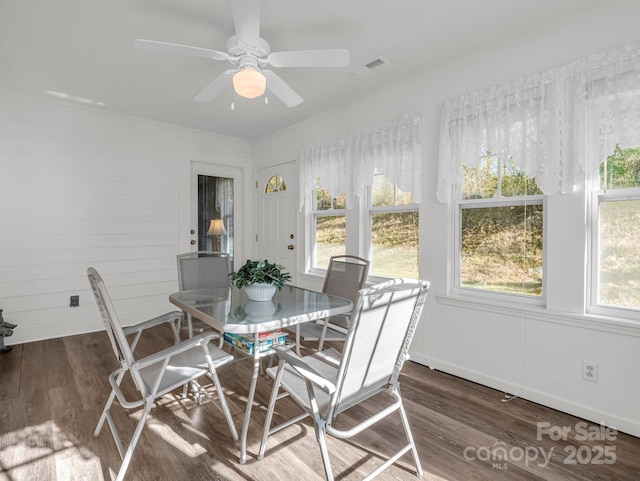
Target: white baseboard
(568, 406)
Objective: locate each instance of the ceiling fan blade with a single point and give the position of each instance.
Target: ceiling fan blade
(214, 88)
(281, 89)
(246, 20)
(181, 49)
(309, 58)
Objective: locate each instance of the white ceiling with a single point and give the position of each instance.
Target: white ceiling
(82, 51)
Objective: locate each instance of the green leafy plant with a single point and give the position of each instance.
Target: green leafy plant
(260, 272)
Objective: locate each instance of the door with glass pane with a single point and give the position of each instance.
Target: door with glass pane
(215, 191)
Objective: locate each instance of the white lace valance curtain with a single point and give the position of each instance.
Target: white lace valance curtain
(552, 124)
(345, 164)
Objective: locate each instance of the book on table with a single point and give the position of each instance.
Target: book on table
(246, 342)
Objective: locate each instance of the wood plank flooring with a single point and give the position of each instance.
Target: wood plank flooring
(52, 393)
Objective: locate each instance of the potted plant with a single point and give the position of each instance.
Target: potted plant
(260, 279)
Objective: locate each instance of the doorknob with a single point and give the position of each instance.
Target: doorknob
(290, 247)
(193, 242)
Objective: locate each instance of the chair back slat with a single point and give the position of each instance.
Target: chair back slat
(112, 324)
(203, 269)
(110, 319)
(346, 275)
(378, 340)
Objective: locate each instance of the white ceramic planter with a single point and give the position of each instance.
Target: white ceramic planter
(260, 292)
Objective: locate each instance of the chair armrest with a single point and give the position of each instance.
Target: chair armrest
(156, 321)
(304, 370)
(114, 379)
(330, 356)
(199, 340)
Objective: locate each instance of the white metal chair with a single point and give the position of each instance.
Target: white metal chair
(346, 275)
(202, 270)
(376, 346)
(154, 375)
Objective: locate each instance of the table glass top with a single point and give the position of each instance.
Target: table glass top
(229, 309)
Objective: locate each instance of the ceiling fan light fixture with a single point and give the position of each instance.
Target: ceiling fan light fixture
(249, 83)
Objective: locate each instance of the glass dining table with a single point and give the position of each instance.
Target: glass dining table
(229, 311)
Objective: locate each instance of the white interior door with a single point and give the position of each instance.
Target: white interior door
(220, 199)
(276, 215)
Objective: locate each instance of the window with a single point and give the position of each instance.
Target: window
(275, 184)
(329, 228)
(616, 230)
(393, 219)
(388, 221)
(550, 133)
(215, 203)
(500, 229)
(352, 208)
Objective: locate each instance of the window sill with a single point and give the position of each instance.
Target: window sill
(538, 313)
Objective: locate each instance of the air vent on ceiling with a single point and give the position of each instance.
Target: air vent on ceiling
(376, 63)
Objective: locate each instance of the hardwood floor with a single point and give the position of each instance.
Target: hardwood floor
(52, 393)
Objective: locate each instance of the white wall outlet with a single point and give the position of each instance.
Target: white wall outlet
(590, 371)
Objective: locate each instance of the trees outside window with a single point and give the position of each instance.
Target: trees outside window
(329, 228)
(393, 219)
(500, 234)
(384, 229)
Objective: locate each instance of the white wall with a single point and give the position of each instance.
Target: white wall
(536, 354)
(80, 187)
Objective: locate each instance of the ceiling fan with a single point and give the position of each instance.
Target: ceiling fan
(249, 54)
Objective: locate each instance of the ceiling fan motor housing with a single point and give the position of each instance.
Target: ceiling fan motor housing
(238, 49)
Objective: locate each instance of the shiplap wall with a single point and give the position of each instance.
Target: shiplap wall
(77, 188)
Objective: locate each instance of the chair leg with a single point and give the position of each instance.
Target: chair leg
(407, 431)
(189, 326)
(185, 388)
(321, 437)
(175, 328)
(134, 440)
(322, 336)
(107, 406)
(135, 340)
(105, 413)
(224, 407)
(298, 340)
(272, 405)
(320, 428)
(195, 388)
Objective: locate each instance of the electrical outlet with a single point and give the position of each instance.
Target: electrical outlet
(74, 301)
(589, 371)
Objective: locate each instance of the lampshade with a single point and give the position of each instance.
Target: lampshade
(249, 83)
(216, 228)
